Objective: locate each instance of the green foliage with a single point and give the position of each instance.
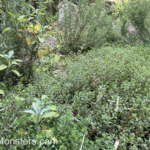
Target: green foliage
(41, 110)
(23, 30)
(103, 77)
(10, 63)
(16, 123)
(136, 12)
(89, 26)
(138, 17)
(104, 98)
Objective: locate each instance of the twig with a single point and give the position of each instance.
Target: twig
(2, 109)
(82, 142)
(147, 99)
(76, 119)
(13, 122)
(119, 126)
(117, 103)
(4, 44)
(130, 109)
(116, 144)
(42, 122)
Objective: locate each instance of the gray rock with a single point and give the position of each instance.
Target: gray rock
(65, 5)
(131, 29)
(50, 41)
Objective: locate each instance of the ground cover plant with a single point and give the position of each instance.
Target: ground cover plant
(89, 91)
(104, 97)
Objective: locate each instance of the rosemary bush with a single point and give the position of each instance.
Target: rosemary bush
(135, 12)
(87, 28)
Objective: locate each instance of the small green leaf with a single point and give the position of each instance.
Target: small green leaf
(4, 56)
(10, 54)
(8, 28)
(17, 15)
(14, 63)
(29, 18)
(48, 108)
(50, 115)
(40, 10)
(48, 133)
(11, 20)
(49, 102)
(21, 17)
(12, 14)
(22, 20)
(17, 98)
(41, 39)
(58, 46)
(30, 111)
(57, 58)
(32, 15)
(38, 100)
(35, 30)
(36, 107)
(45, 27)
(32, 7)
(44, 97)
(16, 72)
(17, 60)
(49, 33)
(40, 14)
(43, 110)
(2, 67)
(34, 118)
(1, 105)
(53, 107)
(2, 92)
(22, 25)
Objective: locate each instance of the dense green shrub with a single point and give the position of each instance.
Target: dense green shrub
(138, 13)
(121, 74)
(101, 96)
(23, 29)
(89, 27)
(104, 97)
(135, 12)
